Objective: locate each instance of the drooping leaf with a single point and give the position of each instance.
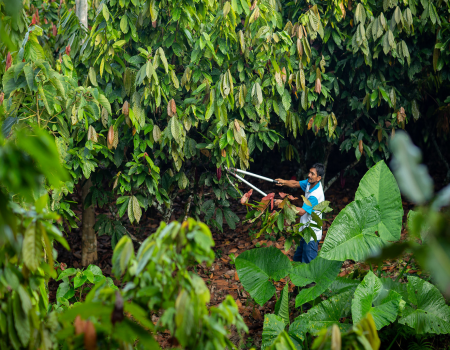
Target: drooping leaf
(368, 299)
(321, 271)
(255, 267)
(326, 314)
(351, 235)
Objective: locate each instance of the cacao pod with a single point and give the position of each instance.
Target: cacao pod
(125, 109)
(79, 325)
(68, 50)
(110, 138)
(55, 30)
(90, 336)
(219, 173)
(2, 97)
(8, 61)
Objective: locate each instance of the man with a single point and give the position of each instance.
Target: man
(314, 193)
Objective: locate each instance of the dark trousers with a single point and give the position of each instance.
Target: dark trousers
(306, 251)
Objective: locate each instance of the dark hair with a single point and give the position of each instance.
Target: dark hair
(319, 168)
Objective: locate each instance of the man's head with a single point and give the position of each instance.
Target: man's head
(315, 173)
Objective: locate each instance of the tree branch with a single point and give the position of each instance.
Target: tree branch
(333, 179)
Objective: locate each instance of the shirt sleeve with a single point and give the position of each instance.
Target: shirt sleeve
(308, 208)
(303, 184)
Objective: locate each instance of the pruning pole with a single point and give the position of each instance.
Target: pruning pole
(248, 183)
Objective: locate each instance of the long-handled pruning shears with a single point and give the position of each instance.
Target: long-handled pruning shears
(233, 172)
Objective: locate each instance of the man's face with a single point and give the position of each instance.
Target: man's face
(313, 177)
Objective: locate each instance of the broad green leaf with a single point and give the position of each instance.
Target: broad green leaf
(321, 271)
(274, 334)
(429, 312)
(413, 178)
(381, 183)
(367, 300)
(326, 314)
(255, 267)
(273, 326)
(351, 234)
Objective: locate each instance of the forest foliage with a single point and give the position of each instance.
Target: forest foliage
(153, 99)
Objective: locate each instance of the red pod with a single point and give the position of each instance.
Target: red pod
(55, 30)
(219, 173)
(2, 97)
(8, 61)
(342, 179)
(68, 50)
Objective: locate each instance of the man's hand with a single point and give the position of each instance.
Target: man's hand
(288, 183)
(280, 182)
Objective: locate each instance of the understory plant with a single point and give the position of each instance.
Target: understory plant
(283, 222)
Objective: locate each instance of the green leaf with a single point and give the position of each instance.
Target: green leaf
(326, 314)
(208, 208)
(93, 76)
(21, 321)
(413, 178)
(351, 236)
(321, 271)
(32, 247)
(429, 313)
(79, 280)
(104, 102)
(163, 58)
(231, 218)
(29, 75)
(255, 267)
(367, 300)
(175, 129)
(124, 24)
(44, 99)
(273, 326)
(282, 305)
(381, 183)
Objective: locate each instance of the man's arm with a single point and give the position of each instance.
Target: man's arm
(288, 183)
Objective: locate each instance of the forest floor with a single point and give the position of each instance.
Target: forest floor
(221, 278)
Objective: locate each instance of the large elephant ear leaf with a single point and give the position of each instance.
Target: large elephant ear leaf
(326, 314)
(321, 271)
(381, 183)
(255, 267)
(368, 298)
(350, 236)
(429, 313)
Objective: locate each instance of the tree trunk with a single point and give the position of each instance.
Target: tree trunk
(88, 236)
(81, 10)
